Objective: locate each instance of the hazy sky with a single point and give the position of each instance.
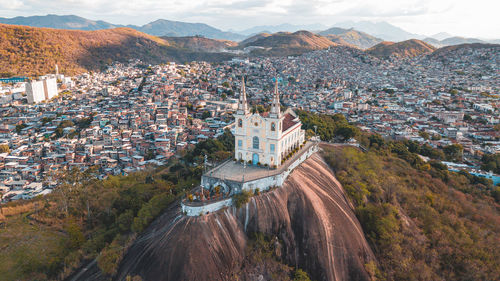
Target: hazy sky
(477, 18)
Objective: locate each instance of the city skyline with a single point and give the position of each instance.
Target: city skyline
(459, 18)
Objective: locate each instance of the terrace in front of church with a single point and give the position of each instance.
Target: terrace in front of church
(242, 172)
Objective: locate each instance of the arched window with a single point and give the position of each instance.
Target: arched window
(240, 123)
(255, 143)
(273, 127)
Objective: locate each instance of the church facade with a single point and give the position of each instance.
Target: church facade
(267, 138)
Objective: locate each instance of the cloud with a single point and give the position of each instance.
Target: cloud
(10, 4)
(421, 16)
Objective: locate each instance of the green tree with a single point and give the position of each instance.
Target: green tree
(454, 152)
(346, 131)
(424, 134)
(75, 234)
(20, 127)
(206, 114)
(300, 275)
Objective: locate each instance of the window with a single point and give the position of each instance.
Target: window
(240, 123)
(240, 143)
(256, 124)
(273, 127)
(255, 142)
(272, 147)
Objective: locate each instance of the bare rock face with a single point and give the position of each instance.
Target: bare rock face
(309, 215)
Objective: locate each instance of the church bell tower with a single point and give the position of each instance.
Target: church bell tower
(275, 107)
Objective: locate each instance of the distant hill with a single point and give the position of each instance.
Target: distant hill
(285, 27)
(286, 43)
(408, 48)
(59, 22)
(176, 28)
(350, 36)
(34, 51)
(460, 40)
(254, 38)
(453, 41)
(157, 28)
(434, 42)
(383, 30)
(201, 44)
(441, 35)
(445, 51)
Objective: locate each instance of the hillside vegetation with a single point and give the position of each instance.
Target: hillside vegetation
(84, 218)
(201, 44)
(35, 51)
(422, 221)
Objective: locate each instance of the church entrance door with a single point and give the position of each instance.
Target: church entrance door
(255, 159)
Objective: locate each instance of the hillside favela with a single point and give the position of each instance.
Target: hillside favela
(249, 140)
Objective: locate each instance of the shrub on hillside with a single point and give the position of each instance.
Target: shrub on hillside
(241, 198)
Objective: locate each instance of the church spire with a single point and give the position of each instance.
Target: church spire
(243, 106)
(275, 108)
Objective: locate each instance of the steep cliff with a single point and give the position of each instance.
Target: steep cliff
(309, 215)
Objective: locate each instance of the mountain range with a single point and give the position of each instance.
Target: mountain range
(159, 27)
(382, 30)
(371, 32)
(33, 51)
(285, 27)
(451, 41)
(176, 28)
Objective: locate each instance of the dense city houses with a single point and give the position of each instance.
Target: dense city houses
(132, 115)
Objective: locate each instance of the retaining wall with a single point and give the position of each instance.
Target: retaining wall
(262, 184)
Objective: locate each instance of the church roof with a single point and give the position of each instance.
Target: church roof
(288, 122)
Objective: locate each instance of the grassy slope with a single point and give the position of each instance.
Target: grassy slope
(25, 245)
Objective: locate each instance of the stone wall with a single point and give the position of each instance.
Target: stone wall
(201, 209)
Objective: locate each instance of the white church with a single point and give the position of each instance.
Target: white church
(265, 138)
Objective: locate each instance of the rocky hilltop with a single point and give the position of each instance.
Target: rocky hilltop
(350, 37)
(309, 216)
(408, 48)
(287, 43)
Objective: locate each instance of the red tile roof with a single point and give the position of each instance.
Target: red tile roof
(288, 122)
